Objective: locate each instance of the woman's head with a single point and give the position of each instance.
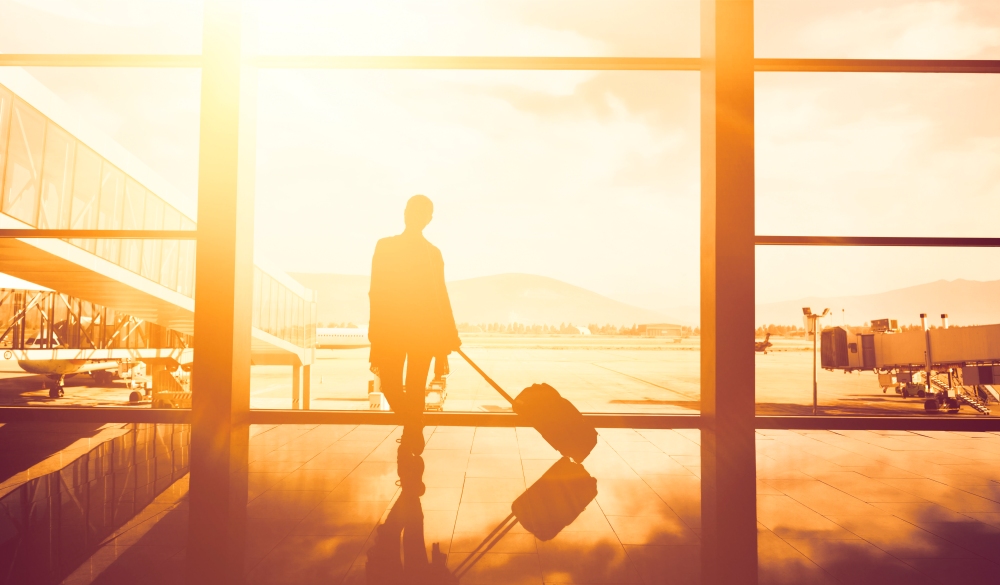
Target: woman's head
(418, 213)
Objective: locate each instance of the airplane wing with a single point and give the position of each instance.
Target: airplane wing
(94, 366)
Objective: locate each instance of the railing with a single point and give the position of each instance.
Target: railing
(31, 319)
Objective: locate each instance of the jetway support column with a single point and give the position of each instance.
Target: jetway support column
(306, 386)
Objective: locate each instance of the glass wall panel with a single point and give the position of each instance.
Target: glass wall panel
(5, 102)
(111, 211)
(265, 303)
(57, 179)
(566, 207)
(185, 270)
(877, 29)
(591, 28)
(864, 367)
(256, 297)
(877, 154)
(86, 194)
(24, 163)
(168, 274)
(273, 316)
(151, 248)
(133, 219)
(282, 311)
(108, 26)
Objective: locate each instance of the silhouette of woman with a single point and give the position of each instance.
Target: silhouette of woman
(411, 320)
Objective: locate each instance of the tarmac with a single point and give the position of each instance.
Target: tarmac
(597, 373)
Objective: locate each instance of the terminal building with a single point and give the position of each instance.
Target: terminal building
(693, 476)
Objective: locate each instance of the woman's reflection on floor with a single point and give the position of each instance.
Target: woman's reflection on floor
(399, 554)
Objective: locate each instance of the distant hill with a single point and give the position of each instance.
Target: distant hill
(502, 298)
(967, 302)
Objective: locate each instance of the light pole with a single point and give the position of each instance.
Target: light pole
(811, 326)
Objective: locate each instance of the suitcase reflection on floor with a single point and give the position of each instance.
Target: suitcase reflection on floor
(399, 554)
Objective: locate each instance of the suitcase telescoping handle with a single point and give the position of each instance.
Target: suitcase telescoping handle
(485, 377)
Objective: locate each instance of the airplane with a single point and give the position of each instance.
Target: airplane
(761, 346)
(58, 370)
(341, 338)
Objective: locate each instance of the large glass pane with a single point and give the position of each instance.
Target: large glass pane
(107, 26)
(865, 367)
(877, 154)
(150, 113)
(24, 163)
(112, 210)
(265, 303)
(256, 297)
(185, 270)
(133, 219)
(566, 208)
(168, 273)
(635, 28)
(5, 103)
(877, 29)
(151, 248)
(86, 194)
(274, 317)
(282, 308)
(57, 179)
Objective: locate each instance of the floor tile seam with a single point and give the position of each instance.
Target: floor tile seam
(915, 526)
(665, 503)
(946, 581)
(959, 545)
(944, 485)
(923, 499)
(822, 569)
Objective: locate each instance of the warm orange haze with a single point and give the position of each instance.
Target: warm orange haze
(506, 291)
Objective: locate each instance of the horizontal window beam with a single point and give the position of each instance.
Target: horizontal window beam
(509, 63)
(71, 60)
(101, 234)
(486, 419)
(970, 424)
(67, 414)
(481, 63)
(877, 241)
(879, 65)
(468, 419)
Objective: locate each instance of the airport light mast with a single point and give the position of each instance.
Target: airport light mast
(811, 324)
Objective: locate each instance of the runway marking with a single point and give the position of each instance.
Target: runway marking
(685, 394)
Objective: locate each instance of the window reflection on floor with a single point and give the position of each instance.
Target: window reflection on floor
(363, 504)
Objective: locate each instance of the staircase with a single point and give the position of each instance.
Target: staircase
(961, 394)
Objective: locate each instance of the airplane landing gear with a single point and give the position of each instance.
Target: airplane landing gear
(57, 387)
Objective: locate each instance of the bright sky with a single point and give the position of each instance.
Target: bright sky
(589, 177)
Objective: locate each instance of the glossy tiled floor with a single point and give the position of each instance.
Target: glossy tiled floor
(336, 504)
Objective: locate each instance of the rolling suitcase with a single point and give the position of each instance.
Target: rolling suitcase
(554, 417)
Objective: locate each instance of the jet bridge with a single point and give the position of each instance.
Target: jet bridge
(947, 366)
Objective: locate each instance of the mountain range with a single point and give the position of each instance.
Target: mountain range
(966, 302)
(531, 299)
(501, 298)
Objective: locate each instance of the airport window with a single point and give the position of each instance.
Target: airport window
(171, 221)
(57, 179)
(151, 249)
(133, 218)
(112, 202)
(86, 194)
(810, 171)
(5, 102)
(185, 271)
(26, 139)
